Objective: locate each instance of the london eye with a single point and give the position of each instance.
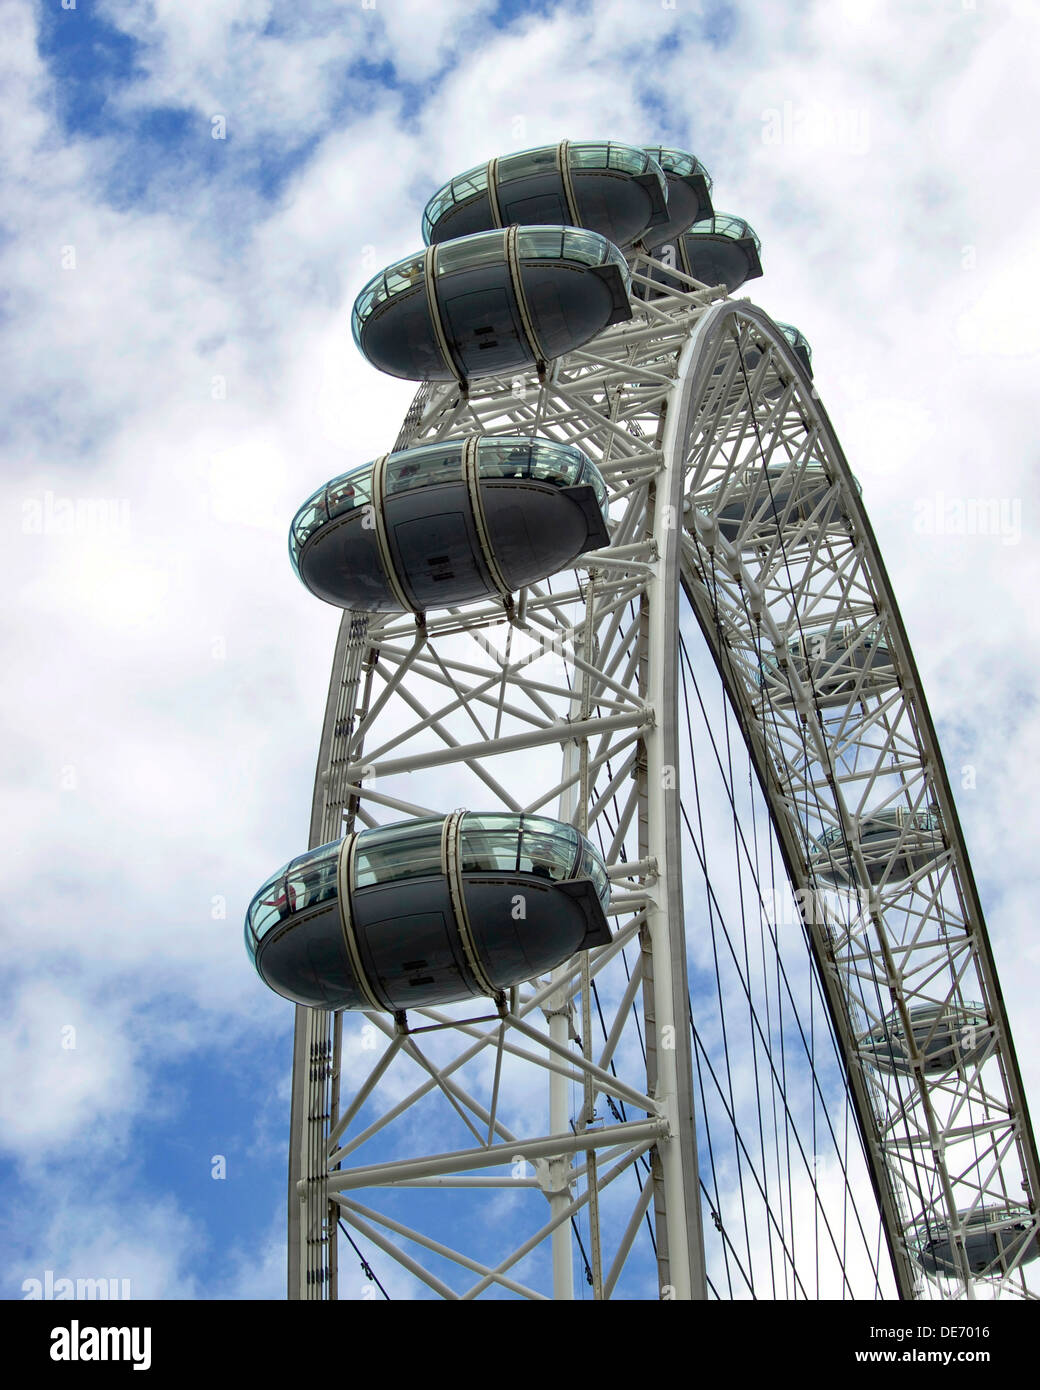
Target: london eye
(635, 950)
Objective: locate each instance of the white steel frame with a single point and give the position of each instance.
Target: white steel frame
(679, 408)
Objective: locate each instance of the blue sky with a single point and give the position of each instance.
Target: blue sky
(190, 363)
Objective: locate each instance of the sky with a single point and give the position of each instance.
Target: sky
(194, 195)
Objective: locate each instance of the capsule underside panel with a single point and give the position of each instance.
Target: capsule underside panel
(569, 306)
(307, 961)
(719, 260)
(340, 563)
(482, 322)
(399, 338)
(533, 534)
(552, 929)
(688, 201)
(410, 948)
(434, 547)
(568, 302)
(535, 529)
(408, 943)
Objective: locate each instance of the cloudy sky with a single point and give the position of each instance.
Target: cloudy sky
(194, 194)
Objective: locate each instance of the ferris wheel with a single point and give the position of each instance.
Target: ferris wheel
(636, 952)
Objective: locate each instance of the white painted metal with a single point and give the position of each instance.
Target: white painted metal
(889, 943)
(565, 702)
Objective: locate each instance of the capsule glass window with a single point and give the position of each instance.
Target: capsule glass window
(385, 854)
(591, 475)
(436, 463)
(490, 843)
(527, 162)
(472, 181)
(270, 906)
(680, 163)
(310, 516)
(403, 275)
(374, 292)
(548, 848)
(353, 489)
(582, 155)
(471, 252)
(795, 337)
(585, 246)
(311, 878)
(500, 458)
(591, 867)
(543, 244)
(556, 464)
(460, 188)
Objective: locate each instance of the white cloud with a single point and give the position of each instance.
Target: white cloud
(162, 728)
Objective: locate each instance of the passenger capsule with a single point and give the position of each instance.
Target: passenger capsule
(613, 189)
(496, 302)
(800, 345)
(946, 1037)
(781, 495)
(719, 250)
(448, 523)
(428, 911)
(835, 664)
(895, 845)
(689, 194)
(753, 355)
(996, 1238)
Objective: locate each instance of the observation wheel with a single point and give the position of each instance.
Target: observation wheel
(636, 953)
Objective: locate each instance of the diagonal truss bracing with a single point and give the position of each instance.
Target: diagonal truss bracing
(489, 1145)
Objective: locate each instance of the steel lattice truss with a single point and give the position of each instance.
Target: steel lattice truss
(479, 1139)
(895, 919)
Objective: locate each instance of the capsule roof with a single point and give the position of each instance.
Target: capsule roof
(607, 187)
(492, 302)
(449, 522)
(423, 911)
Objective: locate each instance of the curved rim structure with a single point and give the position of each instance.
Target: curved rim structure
(557, 1113)
(942, 1147)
